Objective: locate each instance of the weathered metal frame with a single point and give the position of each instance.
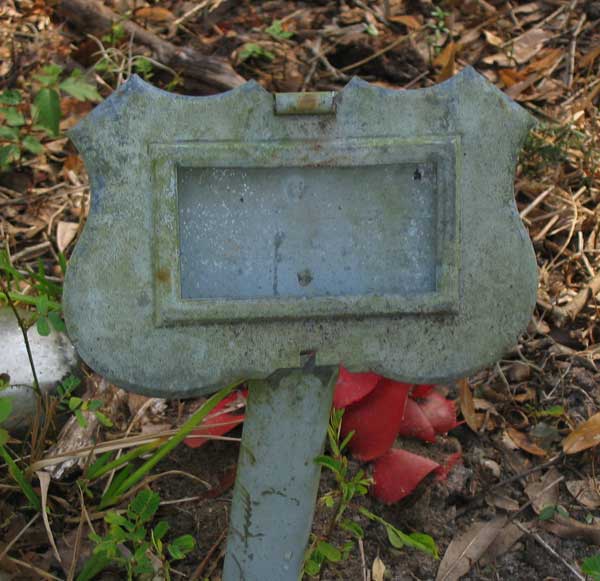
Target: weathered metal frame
(172, 309)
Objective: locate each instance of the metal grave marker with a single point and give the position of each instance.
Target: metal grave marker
(244, 234)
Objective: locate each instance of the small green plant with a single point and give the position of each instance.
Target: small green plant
(127, 475)
(349, 486)
(132, 545)
(277, 31)
(438, 28)
(69, 402)
(115, 36)
(251, 50)
(398, 539)
(16, 131)
(16, 473)
(591, 567)
(144, 68)
(46, 104)
(44, 297)
(552, 510)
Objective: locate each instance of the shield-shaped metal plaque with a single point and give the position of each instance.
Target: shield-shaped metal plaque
(230, 234)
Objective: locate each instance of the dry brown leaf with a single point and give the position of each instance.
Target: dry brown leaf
(446, 59)
(378, 570)
(589, 57)
(408, 21)
(492, 38)
(543, 63)
(504, 502)
(523, 50)
(569, 528)
(499, 59)
(585, 492)
(525, 393)
(154, 14)
(44, 479)
(544, 491)
(506, 538)
(522, 440)
(584, 436)
(528, 8)
(65, 234)
(465, 550)
(467, 406)
(530, 44)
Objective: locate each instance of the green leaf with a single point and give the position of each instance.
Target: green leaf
(10, 97)
(554, 411)
(76, 86)
(423, 543)
(181, 546)
(8, 154)
(114, 518)
(4, 436)
(95, 404)
(330, 552)
(80, 418)
(42, 326)
(398, 539)
(103, 419)
(49, 75)
(32, 144)
(353, 528)
(47, 110)
(75, 403)
(99, 463)
(328, 501)
(13, 117)
(9, 133)
(112, 495)
(144, 505)
(345, 441)
(591, 567)
(20, 479)
(144, 68)
(5, 408)
(547, 512)
(329, 462)
(312, 567)
(253, 50)
(94, 566)
(160, 530)
(143, 566)
(57, 322)
(277, 31)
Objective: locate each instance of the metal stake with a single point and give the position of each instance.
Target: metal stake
(277, 479)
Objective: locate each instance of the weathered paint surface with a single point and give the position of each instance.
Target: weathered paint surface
(277, 477)
(123, 302)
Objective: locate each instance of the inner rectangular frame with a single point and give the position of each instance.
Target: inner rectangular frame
(172, 309)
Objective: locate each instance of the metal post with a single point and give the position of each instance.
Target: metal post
(277, 479)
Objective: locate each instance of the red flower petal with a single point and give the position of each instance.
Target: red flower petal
(398, 473)
(376, 419)
(220, 420)
(440, 412)
(415, 424)
(352, 387)
(444, 470)
(419, 391)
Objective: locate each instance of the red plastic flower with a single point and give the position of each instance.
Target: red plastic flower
(398, 472)
(379, 410)
(220, 420)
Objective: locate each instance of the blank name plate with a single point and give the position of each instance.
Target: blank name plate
(301, 230)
